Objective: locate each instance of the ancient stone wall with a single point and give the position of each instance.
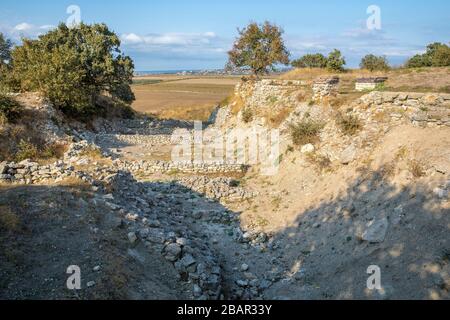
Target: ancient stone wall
(424, 109)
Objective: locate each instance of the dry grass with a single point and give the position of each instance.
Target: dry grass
(413, 80)
(306, 131)
(348, 124)
(181, 98)
(416, 168)
(320, 162)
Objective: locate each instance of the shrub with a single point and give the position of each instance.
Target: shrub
(437, 55)
(26, 150)
(374, 63)
(317, 60)
(305, 131)
(321, 162)
(335, 61)
(259, 48)
(247, 115)
(9, 108)
(349, 124)
(72, 67)
(5, 49)
(416, 168)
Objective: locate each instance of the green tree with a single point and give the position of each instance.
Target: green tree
(336, 61)
(374, 63)
(317, 60)
(437, 55)
(258, 48)
(5, 49)
(73, 67)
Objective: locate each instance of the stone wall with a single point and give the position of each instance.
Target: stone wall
(268, 92)
(150, 167)
(424, 109)
(325, 87)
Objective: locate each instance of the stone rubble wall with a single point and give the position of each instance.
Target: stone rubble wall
(325, 87)
(266, 92)
(151, 167)
(423, 109)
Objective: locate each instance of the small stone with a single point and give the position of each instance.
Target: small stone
(181, 241)
(90, 284)
(132, 237)
(188, 260)
(242, 283)
(96, 268)
(197, 291)
(308, 148)
(440, 193)
(348, 155)
(376, 231)
(172, 252)
(244, 267)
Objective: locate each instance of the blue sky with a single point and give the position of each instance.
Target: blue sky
(196, 34)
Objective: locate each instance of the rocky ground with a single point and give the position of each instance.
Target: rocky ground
(141, 227)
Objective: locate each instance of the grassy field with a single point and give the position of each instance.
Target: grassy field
(181, 97)
(412, 80)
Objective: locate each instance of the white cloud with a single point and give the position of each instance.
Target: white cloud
(23, 27)
(26, 30)
(169, 39)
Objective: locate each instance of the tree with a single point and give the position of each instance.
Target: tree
(374, 63)
(335, 61)
(73, 67)
(317, 60)
(258, 48)
(437, 55)
(5, 49)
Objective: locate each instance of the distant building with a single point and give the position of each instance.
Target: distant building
(364, 84)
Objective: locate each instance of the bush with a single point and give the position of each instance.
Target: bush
(305, 131)
(349, 124)
(258, 48)
(72, 67)
(26, 150)
(336, 61)
(9, 108)
(437, 55)
(317, 60)
(247, 115)
(374, 63)
(5, 49)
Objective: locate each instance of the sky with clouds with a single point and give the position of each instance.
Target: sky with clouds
(196, 34)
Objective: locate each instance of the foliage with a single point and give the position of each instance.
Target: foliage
(259, 48)
(247, 115)
(9, 108)
(317, 60)
(437, 55)
(349, 124)
(72, 67)
(374, 63)
(305, 131)
(335, 61)
(5, 49)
